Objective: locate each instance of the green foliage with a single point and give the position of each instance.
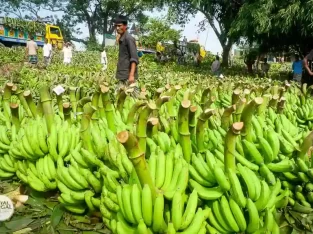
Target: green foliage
(159, 30)
(276, 25)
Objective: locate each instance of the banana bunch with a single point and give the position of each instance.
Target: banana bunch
(163, 141)
(8, 165)
(169, 172)
(7, 135)
(39, 175)
(62, 139)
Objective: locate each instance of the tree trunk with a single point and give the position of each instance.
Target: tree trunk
(225, 56)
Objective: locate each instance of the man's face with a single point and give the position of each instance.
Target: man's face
(120, 28)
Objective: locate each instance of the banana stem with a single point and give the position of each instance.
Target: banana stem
(151, 126)
(82, 102)
(85, 126)
(29, 99)
(67, 112)
(183, 129)
(137, 157)
(246, 94)
(60, 103)
(230, 145)
(273, 102)
(281, 105)
(19, 94)
(15, 116)
(239, 108)
(202, 119)
(120, 101)
(108, 107)
(45, 99)
(306, 144)
(246, 117)
(160, 101)
(133, 111)
(204, 96)
(192, 122)
(263, 107)
(7, 93)
(73, 98)
(158, 93)
(235, 97)
(141, 131)
(226, 117)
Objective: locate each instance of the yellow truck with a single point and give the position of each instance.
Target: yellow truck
(16, 32)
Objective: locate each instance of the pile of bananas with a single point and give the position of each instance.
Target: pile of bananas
(29, 26)
(190, 167)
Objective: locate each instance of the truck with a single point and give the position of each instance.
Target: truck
(16, 32)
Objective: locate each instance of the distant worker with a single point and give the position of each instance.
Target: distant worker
(31, 51)
(216, 65)
(231, 59)
(127, 71)
(67, 53)
(104, 60)
(308, 69)
(265, 67)
(297, 67)
(47, 52)
(159, 51)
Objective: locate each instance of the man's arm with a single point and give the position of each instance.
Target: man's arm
(133, 58)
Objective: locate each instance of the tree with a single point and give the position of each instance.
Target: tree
(224, 12)
(156, 30)
(276, 25)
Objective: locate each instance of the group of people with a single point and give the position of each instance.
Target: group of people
(32, 52)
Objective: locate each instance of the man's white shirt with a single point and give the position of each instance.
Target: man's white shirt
(47, 48)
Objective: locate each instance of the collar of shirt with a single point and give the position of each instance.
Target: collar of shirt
(123, 36)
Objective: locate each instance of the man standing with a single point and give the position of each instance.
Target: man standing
(308, 68)
(47, 51)
(215, 68)
(104, 60)
(127, 72)
(67, 53)
(265, 67)
(297, 69)
(31, 51)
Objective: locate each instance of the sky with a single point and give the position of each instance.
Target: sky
(206, 38)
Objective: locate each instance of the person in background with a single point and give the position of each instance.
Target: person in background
(308, 69)
(231, 59)
(297, 66)
(265, 67)
(127, 71)
(47, 52)
(67, 53)
(104, 60)
(31, 51)
(216, 65)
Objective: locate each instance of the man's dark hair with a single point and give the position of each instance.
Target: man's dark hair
(31, 37)
(297, 57)
(121, 19)
(217, 57)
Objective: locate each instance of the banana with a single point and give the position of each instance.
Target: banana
(147, 205)
(236, 189)
(195, 175)
(216, 210)
(64, 175)
(215, 223)
(302, 165)
(120, 199)
(206, 193)
(190, 210)
(238, 215)
(274, 192)
(266, 150)
(142, 227)
(136, 203)
(169, 166)
(160, 170)
(79, 179)
(267, 174)
(122, 227)
(251, 150)
(92, 180)
(152, 164)
(248, 181)
(177, 210)
(77, 209)
(79, 159)
(201, 169)
(283, 166)
(221, 178)
(253, 223)
(158, 221)
(273, 140)
(241, 159)
(227, 213)
(196, 223)
(126, 197)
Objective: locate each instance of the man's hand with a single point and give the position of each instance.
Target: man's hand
(118, 36)
(131, 79)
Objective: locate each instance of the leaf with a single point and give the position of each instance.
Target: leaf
(18, 224)
(57, 215)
